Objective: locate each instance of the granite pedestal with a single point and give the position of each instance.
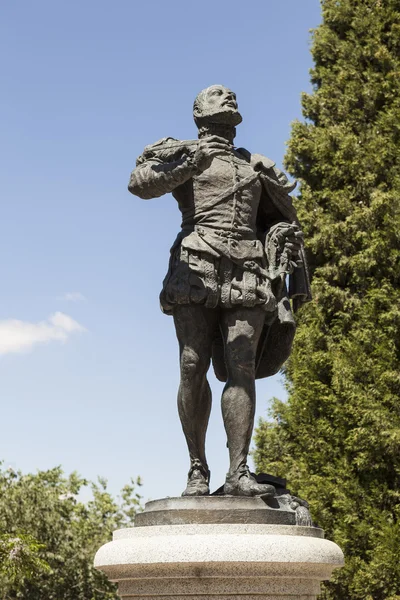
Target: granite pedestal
(218, 548)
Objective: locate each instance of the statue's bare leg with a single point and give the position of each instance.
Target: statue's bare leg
(241, 329)
(195, 328)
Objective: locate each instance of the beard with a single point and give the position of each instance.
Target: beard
(225, 116)
(220, 129)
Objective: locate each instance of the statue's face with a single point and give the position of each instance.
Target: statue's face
(217, 104)
(218, 98)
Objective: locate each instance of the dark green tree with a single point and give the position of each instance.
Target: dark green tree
(48, 536)
(337, 438)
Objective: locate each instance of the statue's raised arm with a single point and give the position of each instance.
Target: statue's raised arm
(168, 163)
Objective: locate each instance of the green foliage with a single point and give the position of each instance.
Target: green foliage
(19, 561)
(337, 439)
(48, 537)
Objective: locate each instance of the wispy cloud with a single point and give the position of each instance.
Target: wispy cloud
(22, 336)
(73, 297)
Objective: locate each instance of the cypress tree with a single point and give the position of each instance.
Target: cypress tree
(337, 438)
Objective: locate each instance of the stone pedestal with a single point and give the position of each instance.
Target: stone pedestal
(217, 560)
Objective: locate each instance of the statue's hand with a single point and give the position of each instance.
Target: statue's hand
(283, 244)
(207, 149)
(293, 241)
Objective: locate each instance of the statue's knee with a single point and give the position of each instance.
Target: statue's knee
(193, 365)
(242, 372)
(241, 360)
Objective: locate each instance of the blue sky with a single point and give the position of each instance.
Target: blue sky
(88, 363)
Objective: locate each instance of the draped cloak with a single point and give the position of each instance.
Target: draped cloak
(277, 336)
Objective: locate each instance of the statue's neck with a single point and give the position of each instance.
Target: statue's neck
(228, 132)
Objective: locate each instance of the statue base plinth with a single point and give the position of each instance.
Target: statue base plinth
(217, 560)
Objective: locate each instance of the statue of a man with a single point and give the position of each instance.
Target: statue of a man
(226, 286)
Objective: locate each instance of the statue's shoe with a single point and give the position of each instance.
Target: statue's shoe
(242, 483)
(197, 484)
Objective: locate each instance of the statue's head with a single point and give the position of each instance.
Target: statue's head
(216, 104)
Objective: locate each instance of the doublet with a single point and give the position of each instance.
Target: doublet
(218, 259)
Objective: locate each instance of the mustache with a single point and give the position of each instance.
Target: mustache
(230, 103)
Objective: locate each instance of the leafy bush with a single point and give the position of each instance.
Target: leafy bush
(48, 536)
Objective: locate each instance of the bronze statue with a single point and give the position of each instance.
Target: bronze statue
(239, 246)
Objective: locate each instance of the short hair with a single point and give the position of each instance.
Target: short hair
(199, 101)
